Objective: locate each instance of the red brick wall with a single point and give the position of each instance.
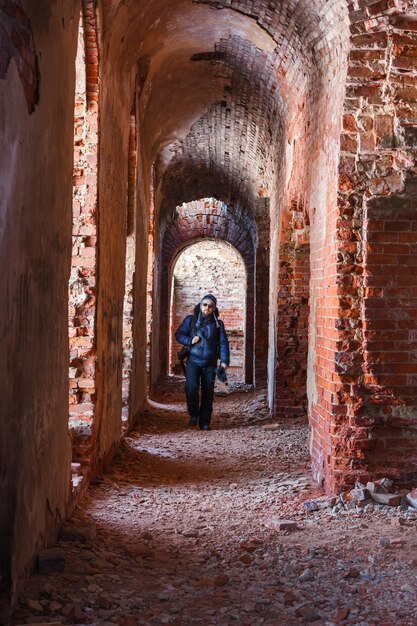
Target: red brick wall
(82, 284)
(363, 415)
(293, 314)
(389, 413)
(211, 267)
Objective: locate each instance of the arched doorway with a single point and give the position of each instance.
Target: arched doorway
(210, 266)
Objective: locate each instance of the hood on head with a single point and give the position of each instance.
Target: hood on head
(197, 310)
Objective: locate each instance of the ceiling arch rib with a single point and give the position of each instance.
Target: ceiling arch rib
(208, 218)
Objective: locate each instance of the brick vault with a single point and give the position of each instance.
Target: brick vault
(286, 129)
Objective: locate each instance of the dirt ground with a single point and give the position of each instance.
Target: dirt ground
(188, 532)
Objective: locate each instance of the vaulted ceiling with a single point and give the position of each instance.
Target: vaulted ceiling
(221, 83)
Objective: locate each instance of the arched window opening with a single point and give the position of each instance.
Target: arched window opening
(82, 283)
(130, 270)
(210, 266)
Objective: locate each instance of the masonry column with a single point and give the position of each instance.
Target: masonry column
(262, 293)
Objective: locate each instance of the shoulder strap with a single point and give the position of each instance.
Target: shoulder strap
(192, 325)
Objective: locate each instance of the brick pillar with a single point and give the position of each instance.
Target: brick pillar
(262, 293)
(293, 310)
(354, 396)
(250, 325)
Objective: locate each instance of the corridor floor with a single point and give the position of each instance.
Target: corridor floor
(185, 534)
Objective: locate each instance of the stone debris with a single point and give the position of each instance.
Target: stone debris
(306, 575)
(281, 524)
(272, 426)
(362, 498)
(384, 485)
(390, 499)
(187, 538)
(359, 494)
(308, 613)
(73, 531)
(411, 498)
(34, 605)
(52, 560)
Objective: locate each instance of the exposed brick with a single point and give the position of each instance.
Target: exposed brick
(83, 274)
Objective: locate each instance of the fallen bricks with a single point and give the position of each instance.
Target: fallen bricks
(381, 492)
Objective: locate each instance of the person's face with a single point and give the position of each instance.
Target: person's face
(207, 307)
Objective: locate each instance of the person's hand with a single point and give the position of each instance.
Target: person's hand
(224, 366)
(195, 340)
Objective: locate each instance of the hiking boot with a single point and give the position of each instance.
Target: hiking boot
(193, 421)
(205, 427)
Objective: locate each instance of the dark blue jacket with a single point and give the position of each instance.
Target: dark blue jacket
(213, 342)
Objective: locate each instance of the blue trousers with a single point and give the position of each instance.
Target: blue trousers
(200, 378)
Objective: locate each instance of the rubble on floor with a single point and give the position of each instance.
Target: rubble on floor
(227, 527)
(364, 497)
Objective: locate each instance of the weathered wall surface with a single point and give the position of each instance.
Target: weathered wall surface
(112, 224)
(36, 139)
(239, 103)
(364, 413)
(82, 285)
(115, 219)
(293, 307)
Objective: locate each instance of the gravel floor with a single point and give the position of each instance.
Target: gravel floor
(187, 533)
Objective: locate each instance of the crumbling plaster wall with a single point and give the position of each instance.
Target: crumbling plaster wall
(118, 86)
(35, 253)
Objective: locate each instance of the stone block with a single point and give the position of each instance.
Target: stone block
(78, 532)
(281, 524)
(51, 560)
(390, 499)
(412, 498)
(359, 495)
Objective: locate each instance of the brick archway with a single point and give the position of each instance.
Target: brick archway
(210, 266)
(192, 222)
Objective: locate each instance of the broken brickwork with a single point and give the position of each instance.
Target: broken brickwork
(82, 285)
(293, 313)
(368, 423)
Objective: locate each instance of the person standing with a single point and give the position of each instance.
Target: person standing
(205, 335)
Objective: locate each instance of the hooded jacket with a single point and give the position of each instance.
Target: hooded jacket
(213, 342)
